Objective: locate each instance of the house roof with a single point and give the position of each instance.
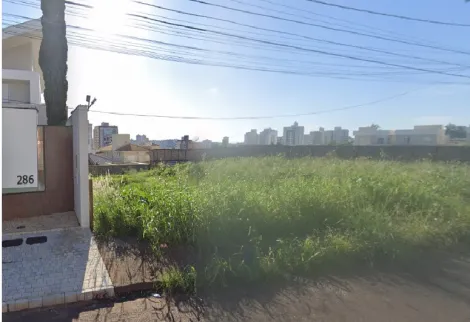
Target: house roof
(152, 147)
(132, 147)
(105, 148)
(94, 159)
(28, 27)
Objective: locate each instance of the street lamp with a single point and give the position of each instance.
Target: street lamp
(90, 104)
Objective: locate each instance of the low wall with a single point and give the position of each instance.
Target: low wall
(99, 170)
(404, 153)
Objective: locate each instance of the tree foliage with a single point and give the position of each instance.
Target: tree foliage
(375, 126)
(53, 60)
(455, 131)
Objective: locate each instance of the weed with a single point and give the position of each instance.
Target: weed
(175, 280)
(249, 219)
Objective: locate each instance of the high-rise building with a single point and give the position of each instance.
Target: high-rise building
(268, 137)
(251, 138)
(90, 138)
(142, 139)
(103, 135)
(318, 137)
(336, 136)
(293, 135)
(225, 141)
(206, 144)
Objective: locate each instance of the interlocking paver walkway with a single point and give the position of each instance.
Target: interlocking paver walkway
(67, 268)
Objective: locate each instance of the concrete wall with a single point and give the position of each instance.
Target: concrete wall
(97, 170)
(405, 153)
(58, 195)
(127, 156)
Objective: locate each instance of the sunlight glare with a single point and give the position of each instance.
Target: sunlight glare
(109, 16)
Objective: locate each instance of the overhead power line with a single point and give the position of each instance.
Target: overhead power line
(81, 5)
(436, 22)
(259, 117)
(369, 28)
(307, 49)
(329, 28)
(389, 98)
(258, 67)
(303, 36)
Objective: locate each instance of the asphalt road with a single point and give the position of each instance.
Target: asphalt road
(382, 297)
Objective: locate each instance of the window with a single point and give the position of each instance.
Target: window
(407, 140)
(381, 141)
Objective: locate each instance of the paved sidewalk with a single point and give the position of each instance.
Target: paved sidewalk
(66, 268)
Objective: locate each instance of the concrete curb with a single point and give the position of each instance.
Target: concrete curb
(57, 299)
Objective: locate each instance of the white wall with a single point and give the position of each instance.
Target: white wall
(19, 148)
(18, 57)
(80, 123)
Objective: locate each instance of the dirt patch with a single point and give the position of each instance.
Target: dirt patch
(429, 290)
(130, 263)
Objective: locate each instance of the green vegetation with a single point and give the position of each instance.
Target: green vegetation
(250, 219)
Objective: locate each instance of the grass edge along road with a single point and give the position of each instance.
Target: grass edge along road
(252, 219)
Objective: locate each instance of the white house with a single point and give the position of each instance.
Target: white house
(369, 135)
(422, 135)
(419, 135)
(22, 81)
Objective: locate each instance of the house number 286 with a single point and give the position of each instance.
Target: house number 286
(25, 179)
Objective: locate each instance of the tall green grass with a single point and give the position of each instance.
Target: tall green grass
(249, 219)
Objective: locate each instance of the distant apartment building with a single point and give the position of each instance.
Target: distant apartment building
(267, 137)
(336, 136)
(308, 139)
(206, 144)
(251, 138)
(142, 140)
(103, 135)
(318, 137)
(468, 134)
(225, 141)
(90, 138)
(293, 135)
(165, 144)
(419, 135)
(279, 140)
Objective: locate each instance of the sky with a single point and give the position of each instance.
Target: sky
(129, 83)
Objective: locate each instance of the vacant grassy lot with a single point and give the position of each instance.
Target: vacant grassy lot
(250, 219)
